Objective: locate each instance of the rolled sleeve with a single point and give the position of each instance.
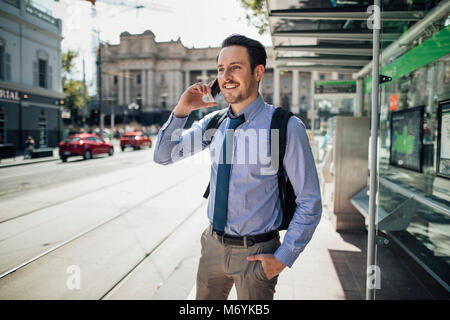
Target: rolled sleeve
(174, 144)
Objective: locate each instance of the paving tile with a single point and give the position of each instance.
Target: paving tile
(342, 269)
(348, 283)
(353, 295)
(284, 292)
(310, 293)
(336, 294)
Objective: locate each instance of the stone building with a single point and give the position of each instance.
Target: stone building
(152, 75)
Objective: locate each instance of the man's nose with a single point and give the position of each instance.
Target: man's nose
(227, 74)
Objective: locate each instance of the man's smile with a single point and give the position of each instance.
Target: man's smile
(230, 86)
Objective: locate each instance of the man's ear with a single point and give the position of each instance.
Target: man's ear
(259, 72)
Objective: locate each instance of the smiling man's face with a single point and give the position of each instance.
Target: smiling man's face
(238, 84)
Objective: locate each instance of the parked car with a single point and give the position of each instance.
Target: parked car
(85, 145)
(136, 140)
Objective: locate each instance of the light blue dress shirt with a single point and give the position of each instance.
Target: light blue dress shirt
(253, 201)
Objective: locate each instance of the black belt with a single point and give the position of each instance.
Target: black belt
(246, 241)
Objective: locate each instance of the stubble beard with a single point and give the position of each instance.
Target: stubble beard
(240, 96)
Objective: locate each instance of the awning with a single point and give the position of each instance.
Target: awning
(333, 35)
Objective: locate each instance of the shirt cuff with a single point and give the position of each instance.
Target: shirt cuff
(285, 255)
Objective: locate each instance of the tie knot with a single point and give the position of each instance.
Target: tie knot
(235, 122)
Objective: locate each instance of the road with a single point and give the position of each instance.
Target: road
(123, 226)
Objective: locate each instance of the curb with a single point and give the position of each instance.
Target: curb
(27, 163)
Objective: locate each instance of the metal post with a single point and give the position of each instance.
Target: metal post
(84, 97)
(99, 87)
(370, 290)
(313, 111)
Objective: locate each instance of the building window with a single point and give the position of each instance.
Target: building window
(322, 76)
(116, 79)
(2, 127)
(5, 63)
(286, 82)
(285, 102)
(2, 63)
(268, 83)
(303, 102)
(138, 79)
(341, 76)
(163, 79)
(304, 83)
(42, 64)
(42, 125)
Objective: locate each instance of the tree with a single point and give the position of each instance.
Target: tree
(73, 89)
(258, 14)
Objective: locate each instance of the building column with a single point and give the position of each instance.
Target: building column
(204, 76)
(120, 89)
(143, 88)
(127, 88)
(170, 88)
(105, 89)
(150, 89)
(178, 85)
(295, 93)
(276, 87)
(187, 78)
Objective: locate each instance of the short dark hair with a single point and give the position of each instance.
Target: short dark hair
(256, 51)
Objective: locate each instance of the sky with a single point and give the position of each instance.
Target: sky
(198, 23)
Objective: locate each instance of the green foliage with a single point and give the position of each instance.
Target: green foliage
(68, 62)
(257, 16)
(73, 89)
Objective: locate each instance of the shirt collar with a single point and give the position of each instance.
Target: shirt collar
(250, 110)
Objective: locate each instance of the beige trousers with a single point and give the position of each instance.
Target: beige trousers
(222, 265)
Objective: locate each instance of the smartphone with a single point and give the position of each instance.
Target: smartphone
(215, 90)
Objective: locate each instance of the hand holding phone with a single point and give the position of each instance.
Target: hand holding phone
(215, 90)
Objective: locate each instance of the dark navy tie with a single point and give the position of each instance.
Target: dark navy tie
(223, 176)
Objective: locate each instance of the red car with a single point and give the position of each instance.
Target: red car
(136, 140)
(84, 144)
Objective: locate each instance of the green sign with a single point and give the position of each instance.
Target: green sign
(433, 48)
(335, 86)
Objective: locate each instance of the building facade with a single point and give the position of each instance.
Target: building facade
(152, 75)
(30, 79)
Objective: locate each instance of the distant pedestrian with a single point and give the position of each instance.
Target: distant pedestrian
(29, 147)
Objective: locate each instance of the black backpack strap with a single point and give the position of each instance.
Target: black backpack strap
(214, 123)
(279, 122)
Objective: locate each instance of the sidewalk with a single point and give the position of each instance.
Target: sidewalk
(19, 161)
(330, 268)
(333, 267)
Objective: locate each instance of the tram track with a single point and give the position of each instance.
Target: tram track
(102, 223)
(130, 273)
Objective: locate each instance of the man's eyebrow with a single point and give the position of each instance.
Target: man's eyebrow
(234, 62)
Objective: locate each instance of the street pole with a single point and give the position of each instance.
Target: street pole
(99, 86)
(371, 247)
(84, 97)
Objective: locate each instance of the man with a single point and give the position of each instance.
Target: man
(242, 246)
(29, 147)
